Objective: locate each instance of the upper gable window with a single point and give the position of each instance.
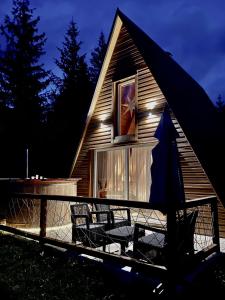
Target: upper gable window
(125, 109)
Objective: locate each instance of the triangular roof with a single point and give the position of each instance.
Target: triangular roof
(190, 104)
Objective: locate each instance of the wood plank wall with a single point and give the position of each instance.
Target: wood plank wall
(196, 183)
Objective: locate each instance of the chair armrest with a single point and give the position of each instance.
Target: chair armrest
(122, 209)
(75, 217)
(138, 226)
(99, 212)
(149, 227)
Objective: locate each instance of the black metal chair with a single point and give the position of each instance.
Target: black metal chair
(84, 229)
(154, 246)
(117, 217)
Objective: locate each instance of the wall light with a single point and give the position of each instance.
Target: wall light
(102, 125)
(103, 117)
(151, 105)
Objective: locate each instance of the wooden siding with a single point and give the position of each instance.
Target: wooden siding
(196, 183)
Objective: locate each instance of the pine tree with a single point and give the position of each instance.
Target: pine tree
(220, 104)
(68, 62)
(97, 58)
(2, 102)
(75, 87)
(72, 103)
(23, 79)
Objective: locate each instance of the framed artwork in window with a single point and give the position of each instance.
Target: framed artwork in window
(126, 109)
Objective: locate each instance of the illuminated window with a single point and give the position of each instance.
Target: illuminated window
(125, 108)
(123, 173)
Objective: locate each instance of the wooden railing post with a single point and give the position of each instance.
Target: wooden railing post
(43, 217)
(215, 223)
(171, 254)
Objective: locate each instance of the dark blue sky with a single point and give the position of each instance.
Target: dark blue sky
(192, 30)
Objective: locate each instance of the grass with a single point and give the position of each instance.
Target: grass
(29, 272)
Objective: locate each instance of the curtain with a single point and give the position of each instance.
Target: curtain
(111, 174)
(139, 173)
(114, 181)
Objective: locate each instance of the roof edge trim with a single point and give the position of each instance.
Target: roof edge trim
(117, 25)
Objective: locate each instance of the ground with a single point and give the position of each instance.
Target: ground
(29, 271)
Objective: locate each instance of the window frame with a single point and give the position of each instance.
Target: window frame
(117, 137)
(126, 148)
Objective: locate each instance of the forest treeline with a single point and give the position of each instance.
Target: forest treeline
(39, 110)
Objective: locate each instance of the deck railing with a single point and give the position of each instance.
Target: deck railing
(47, 218)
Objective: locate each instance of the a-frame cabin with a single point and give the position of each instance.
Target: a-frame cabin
(136, 81)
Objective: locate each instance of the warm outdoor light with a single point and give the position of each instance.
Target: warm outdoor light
(102, 125)
(103, 117)
(151, 105)
(103, 120)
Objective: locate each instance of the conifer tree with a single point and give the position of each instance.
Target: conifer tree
(220, 104)
(97, 58)
(23, 79)
(72, 103)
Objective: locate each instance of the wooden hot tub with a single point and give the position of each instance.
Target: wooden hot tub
(25, 213)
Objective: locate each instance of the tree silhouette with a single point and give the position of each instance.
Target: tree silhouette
(220, 104)
(97, 58)
(72, 103)
(23, 79)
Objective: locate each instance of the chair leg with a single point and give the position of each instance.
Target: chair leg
(123, 247)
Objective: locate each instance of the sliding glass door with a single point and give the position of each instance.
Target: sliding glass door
(111, 177)
(123, 173)
(139, 173)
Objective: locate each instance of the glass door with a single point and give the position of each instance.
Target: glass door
(139, 173)
(111, 177)
(123, 173)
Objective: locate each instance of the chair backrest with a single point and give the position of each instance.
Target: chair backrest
(102, 207)
(80, 209)
(185, 232)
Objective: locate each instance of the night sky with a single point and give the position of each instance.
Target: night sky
(192, 30)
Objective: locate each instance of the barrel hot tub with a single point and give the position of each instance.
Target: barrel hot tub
(25, 212)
